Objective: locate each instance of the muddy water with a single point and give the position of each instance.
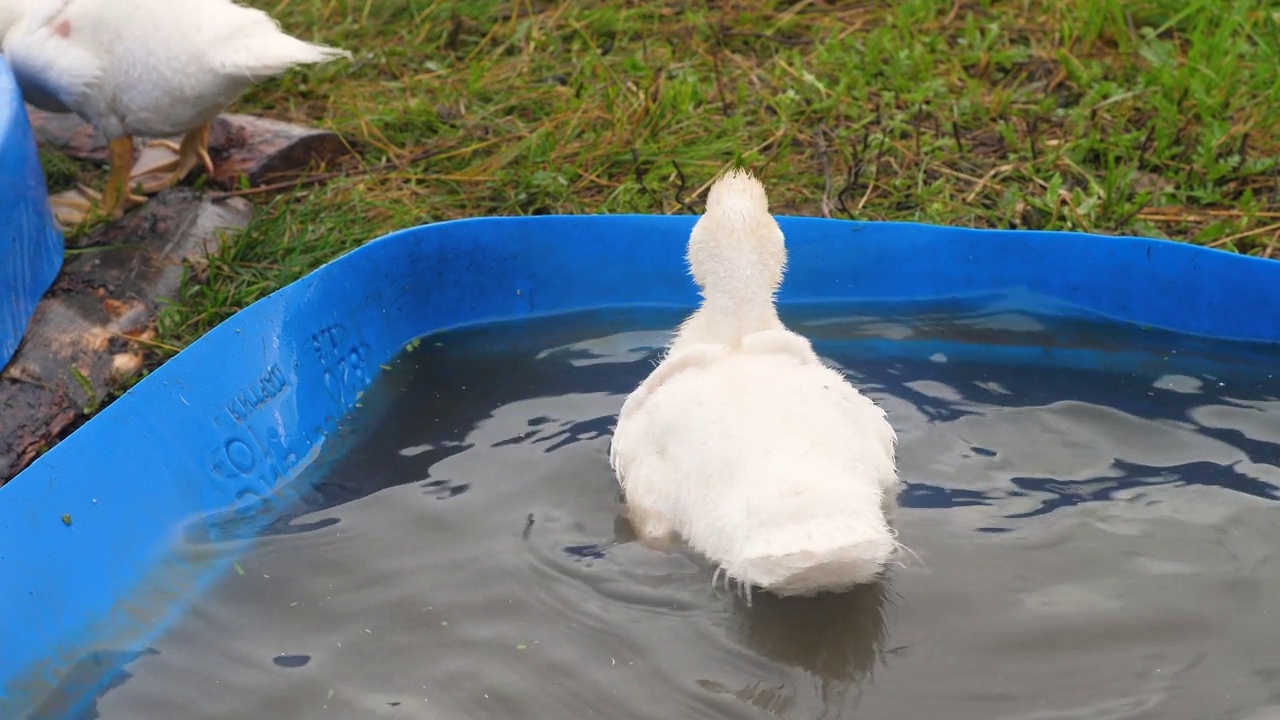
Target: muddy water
(1097, 538)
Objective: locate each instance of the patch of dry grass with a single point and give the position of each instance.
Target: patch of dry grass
(1151, 117)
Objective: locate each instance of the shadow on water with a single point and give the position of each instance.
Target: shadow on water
(439, 381)
(435, 378)
(837, 638)
(1058, 494)
(86, 682)
(1036, 390)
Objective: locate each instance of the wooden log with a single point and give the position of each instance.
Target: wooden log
(78, 347)
(259, 149)
(267, 151)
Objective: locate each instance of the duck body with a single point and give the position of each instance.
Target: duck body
(11, 12)
(153, 68)
(35, 92)
(742, 442)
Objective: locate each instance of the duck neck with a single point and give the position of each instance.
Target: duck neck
(727, 321)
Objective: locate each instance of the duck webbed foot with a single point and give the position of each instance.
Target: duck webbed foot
(193, 151)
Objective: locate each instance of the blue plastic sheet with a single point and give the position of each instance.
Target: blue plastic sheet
(228, 421)
(30, 245)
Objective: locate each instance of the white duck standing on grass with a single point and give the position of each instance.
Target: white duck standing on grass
(742, 443)
(155, 68)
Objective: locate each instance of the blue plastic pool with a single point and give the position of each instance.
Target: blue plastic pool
(30, 245)
(87, 533)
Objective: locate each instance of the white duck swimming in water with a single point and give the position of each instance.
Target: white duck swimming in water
(154, 68)
(742, 442)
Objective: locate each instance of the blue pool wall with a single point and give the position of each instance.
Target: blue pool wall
(30, 245)
(95, 538)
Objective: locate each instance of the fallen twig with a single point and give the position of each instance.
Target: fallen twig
(1173, 215)
(1241, 235)
(325, 176)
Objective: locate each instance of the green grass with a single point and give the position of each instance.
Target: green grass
(61, 173)
(1148, 117)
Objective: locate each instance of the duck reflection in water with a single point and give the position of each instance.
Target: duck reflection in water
(838, 639)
